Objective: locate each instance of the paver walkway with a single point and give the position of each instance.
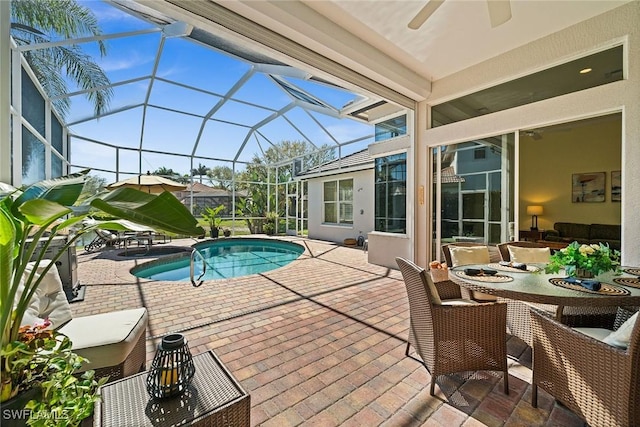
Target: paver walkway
(319, 342)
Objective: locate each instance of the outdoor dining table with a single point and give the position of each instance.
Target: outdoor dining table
(536, 286)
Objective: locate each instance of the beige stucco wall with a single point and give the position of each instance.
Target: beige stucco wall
(561, 155)
(619, 25)
(362, 208)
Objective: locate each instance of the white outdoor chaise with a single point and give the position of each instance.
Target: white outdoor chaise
(114, 343)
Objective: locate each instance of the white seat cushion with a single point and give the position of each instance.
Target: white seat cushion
(525, 255)
(598, 333)
(106, 339)
(458, 302)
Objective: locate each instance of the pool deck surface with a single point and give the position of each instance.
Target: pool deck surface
(319, 342)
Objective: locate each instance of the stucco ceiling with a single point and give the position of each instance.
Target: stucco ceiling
(372, 37)
(458, 34)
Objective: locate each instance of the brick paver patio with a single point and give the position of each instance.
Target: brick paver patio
(319, 342)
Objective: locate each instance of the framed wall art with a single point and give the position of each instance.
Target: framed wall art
(616, 186)
(587, 187)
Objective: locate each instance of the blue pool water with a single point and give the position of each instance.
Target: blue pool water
(225, 258)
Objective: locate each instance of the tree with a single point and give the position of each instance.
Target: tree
(220, 177)
(164, 172)
(201, 171)
(92, 186)
(257, 175)
(41, 21)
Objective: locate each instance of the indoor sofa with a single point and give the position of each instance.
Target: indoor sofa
(585, 233)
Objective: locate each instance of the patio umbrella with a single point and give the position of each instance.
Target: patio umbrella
(152, 184)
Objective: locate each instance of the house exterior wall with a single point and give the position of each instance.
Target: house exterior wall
(600, 32)
(362, 208)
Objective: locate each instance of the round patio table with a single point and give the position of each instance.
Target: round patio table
(536, 287)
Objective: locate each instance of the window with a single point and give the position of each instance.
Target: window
(391, 128)
(338, 202)
(555, 81)
(390, 193)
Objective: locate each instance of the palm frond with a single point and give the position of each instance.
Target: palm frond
(40, 21)
(64, 18)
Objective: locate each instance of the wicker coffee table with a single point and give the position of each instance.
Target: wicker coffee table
(214, 398)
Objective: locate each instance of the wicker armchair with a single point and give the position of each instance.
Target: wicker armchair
(598, 382)
(477, 296)
(519, 320)
(451, 336)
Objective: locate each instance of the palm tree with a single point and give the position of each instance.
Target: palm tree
(42, 21)
(201, 170)
(165, 172)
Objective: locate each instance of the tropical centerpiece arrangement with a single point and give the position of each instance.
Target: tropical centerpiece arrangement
(35, 359)
(582, 260)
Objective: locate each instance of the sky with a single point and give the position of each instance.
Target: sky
(190, 65)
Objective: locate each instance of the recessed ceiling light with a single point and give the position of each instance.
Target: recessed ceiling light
(585, 70)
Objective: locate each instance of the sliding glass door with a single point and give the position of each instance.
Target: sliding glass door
(473, 186)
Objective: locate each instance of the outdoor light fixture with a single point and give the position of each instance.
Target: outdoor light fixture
(534, 211)
(172, 368)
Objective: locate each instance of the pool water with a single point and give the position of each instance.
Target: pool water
(225, 258)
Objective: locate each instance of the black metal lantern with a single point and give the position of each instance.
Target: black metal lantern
(172, 368)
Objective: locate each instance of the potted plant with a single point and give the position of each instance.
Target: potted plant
(29, 221)
(212, 216)
(584, 260)
(270, 227)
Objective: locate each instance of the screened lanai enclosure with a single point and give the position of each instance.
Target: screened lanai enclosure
(190, 104)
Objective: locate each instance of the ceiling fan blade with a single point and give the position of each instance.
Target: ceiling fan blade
(499, 12)
(424, 14)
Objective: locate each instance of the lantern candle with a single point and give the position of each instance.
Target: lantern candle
(172, 368)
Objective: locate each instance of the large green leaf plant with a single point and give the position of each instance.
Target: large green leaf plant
(29, 220)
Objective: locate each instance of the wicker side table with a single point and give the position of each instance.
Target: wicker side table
(214, 398)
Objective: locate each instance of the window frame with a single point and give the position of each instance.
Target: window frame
(385, 186)
(337, 203)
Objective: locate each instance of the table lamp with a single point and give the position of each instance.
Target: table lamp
(534, 211)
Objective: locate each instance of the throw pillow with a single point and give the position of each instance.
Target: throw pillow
(532, 255)
(621, 337)
(464, 255)
(49, 301)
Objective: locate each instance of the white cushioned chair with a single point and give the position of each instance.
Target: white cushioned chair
(114, 343)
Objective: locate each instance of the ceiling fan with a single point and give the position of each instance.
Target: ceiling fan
(499, 12)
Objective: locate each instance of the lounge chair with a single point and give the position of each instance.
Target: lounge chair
(114, 342)
(105, 238)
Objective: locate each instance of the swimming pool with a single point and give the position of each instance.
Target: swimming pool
(225, 258)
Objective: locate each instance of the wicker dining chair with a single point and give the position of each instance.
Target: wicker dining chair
(453, 336)
(519, 319)
(598, 382)
(449, 259)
